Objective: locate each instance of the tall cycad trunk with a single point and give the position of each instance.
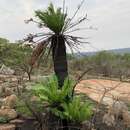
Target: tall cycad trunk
(60, 63)
(59, 58)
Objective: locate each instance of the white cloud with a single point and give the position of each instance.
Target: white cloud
(112, 17)
(113, 22)
(27, 6)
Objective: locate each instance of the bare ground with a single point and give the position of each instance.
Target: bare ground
(94, 89)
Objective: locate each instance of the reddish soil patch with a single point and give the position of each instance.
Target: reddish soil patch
(94, 88)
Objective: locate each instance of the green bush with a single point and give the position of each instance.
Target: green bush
(22, 108)
(3, 120)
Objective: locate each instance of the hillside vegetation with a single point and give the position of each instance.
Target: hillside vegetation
(103, 63)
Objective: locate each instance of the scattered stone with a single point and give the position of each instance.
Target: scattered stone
(1, 81)
(1, 101)
(117, 108)
(8, 92)
(1, 90)
(117, 111)
(6, 70)
(14, 79)
(8, 113)
(109, 119)
(29, 85)
(86, 125)
(34, 99)
(9, 102)
(5, 91)
(126, 118)
(17, 121)
(7, 127)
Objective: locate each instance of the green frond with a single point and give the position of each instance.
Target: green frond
(49, 90)
(73, 110)
(77, 111)
(51, 18)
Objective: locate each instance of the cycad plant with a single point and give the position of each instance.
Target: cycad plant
(74, 110)
(57, 38)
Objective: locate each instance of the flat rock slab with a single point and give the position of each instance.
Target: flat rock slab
(17, 121)
(7, 127)
(94, 89)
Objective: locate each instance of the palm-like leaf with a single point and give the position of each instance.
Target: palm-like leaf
(51, 18)
(49, 91)
(77, 111)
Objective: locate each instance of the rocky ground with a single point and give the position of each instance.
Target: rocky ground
(8, 98)
(104, 91)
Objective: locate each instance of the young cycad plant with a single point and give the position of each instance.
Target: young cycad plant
(75, 111)
(49, 91)
(59, 36)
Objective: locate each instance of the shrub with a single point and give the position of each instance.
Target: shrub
(76, 111)
(71, 109)
(3, 120)
(22, 108)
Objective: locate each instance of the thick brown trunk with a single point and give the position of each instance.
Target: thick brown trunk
(59, 58)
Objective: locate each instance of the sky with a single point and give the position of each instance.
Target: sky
(109, 18)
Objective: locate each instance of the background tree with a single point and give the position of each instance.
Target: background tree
(14, 55)
(104, 62)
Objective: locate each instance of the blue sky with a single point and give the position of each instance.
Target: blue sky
(111, 17)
